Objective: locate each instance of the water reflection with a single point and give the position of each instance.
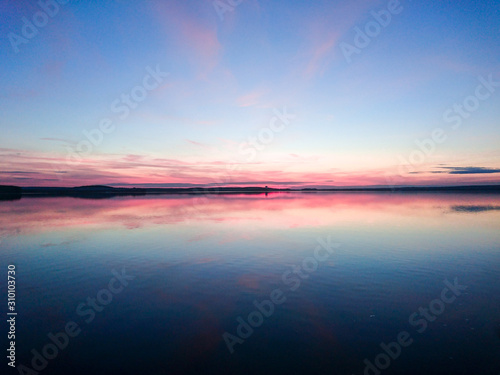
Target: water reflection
(276, 210)
(200, 263)
(475, 209)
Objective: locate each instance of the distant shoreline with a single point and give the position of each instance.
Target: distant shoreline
(102, 191)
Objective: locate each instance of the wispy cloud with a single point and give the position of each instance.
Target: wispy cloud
(252, 98)
(195, 35)
(199, 144)
(475, 208)
(468, 170)
(326, 31)
(57, 140)
(17, 172)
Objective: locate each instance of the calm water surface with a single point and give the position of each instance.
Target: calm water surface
(200, 265)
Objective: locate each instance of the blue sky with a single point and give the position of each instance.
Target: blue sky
(352, 121)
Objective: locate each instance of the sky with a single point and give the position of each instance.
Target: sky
(236, 93)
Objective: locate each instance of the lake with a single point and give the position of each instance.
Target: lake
(283, 283)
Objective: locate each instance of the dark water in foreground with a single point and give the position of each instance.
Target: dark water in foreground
(198, 268)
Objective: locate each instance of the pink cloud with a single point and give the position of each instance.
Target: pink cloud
(198, 144)
(252, 98)
(28, 168)
(320, 56)
(194, 34)
(326, 31)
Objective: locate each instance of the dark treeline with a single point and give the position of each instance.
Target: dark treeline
(101, 191)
